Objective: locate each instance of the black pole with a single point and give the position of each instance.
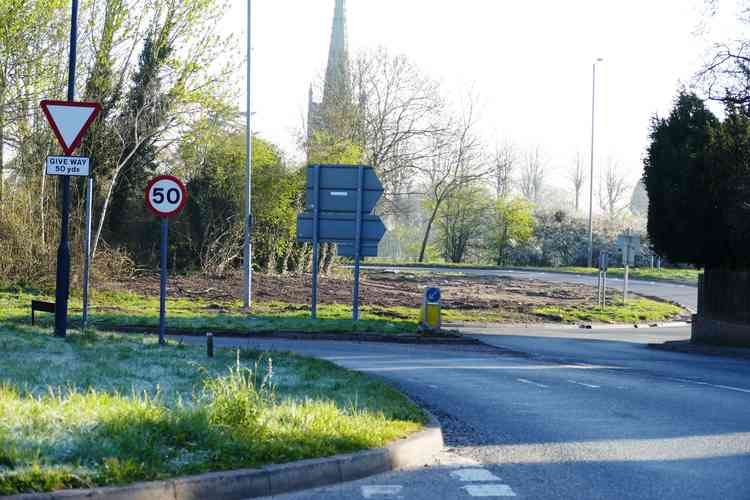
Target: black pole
(63, 252)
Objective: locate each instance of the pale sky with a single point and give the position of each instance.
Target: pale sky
(529, 61)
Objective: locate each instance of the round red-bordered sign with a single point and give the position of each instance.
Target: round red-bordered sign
(166, 196)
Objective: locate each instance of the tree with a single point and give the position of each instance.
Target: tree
(612, 189)
(510, 223)
(532, 176)
(455, 162)
(214, 157)
(504, 167)
(460, 216)
(639, 199)
(167, 87)
(577, 177)
(400, 110)
(682, 212)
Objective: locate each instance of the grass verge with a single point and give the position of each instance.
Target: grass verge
(117, 309)
(130, 309)
(102, 409)
(686, 276)
(634, 311)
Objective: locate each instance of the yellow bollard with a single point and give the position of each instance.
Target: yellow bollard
(430, 314)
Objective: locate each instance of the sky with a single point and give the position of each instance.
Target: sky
(528, 62)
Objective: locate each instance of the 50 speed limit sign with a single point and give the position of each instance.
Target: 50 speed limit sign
(166, 196)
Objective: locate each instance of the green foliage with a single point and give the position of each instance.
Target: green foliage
(458, 219)
(510, 224)
(327, 148)
(681, 211)
(215, 158)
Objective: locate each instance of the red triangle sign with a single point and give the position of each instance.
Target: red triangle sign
(70, 121)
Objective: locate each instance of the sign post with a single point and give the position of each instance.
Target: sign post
(165, 197)
(630, 246)
(340, 200)
(87, 252)
(69, 121)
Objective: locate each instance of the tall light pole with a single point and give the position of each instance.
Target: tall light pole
(248, 244)
(591, 178)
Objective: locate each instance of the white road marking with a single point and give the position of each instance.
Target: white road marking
(475, 475)
(489, 490)
(718, 386)
(432, 386)
(732, 388)
(590, 386)
(381, 490)
(524, 381)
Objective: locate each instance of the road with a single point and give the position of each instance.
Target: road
(686, 295)
(561, 413)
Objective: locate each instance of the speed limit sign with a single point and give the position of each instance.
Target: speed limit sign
(166, 196)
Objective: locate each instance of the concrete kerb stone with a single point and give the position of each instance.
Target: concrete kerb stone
(411, 452)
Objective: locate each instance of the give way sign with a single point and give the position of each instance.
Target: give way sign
(70, 120)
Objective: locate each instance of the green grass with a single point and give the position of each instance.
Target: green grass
(687, 276)
(111, 309)
(635, 311)
(104, 409)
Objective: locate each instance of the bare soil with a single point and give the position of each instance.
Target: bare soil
(378, 288)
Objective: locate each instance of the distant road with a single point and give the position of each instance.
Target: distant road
(685, 295)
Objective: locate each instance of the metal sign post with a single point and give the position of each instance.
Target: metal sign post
(165, 198)
(630, 245)
(602, 282)
(315, 240)
(357, 243)
(87, 252)
(339, 202)
(163, 281)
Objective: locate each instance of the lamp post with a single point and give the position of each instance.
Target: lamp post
(591, 178)
(248, 243)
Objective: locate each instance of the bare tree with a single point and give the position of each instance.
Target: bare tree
(399, 112)
(532, 176)
(456, 161)
(578, 179)
(613, 188)
(504, 165)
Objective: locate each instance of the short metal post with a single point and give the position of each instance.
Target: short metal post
(210, 344)
(163, 281)
(87, 253)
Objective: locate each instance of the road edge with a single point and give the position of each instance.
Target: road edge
(411, 452)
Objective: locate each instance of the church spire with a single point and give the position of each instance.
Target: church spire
(337, 85)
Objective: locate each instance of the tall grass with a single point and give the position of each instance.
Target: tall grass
(182, 414)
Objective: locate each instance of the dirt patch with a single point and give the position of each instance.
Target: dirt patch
(378, 289)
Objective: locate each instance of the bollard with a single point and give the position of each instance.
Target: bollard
(210, 345)
(430, 317)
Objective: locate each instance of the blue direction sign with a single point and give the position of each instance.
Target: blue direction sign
(339, 228)
(339, 201)
(338, 188)
(366, 250)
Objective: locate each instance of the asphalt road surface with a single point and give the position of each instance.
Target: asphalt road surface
(686, 295)
(560, 413)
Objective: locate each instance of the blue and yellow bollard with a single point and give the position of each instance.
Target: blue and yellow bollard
(430, 317)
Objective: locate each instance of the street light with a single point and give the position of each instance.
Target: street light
(591, 179)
